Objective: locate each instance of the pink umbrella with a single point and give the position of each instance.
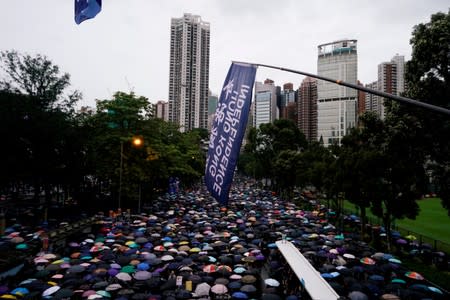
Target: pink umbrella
(219, 289)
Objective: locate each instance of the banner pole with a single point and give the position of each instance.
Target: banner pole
(401, 99)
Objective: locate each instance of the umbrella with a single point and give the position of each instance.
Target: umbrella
(202, 289)
(272, 282)
(376, 277)
(395, 260)
(142, 275)
(398, 280)
(21, 291)
(270, 296)
(50, 291)
(88, 293)
(367, 261)
(248, 288)
(210, 268)
(239, 270)
(104, 294)
(248, 279)
(113, 287)
(414, 275)
(410, 237)
(401, 242)
(123, 276)
(219, 289)
(435, 290)
(63, 294)
(357, 295)
(239, 295)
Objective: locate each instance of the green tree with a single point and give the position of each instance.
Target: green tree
(428, 79)
(37, 76)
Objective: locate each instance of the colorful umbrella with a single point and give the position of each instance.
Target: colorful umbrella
(367, 261)
(210, 268)
(414, 275)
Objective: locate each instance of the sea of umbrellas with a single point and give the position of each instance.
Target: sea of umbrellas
(189, 247)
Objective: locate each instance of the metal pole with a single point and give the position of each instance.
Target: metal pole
(404, 100)
(120, 174)
(139, 199)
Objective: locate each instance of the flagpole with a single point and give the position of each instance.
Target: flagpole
(401, 99)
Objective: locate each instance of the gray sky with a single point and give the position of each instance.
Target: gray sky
(127, 44)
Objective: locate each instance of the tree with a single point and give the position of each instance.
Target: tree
(39, 77)
(428, 79)
(360, 166)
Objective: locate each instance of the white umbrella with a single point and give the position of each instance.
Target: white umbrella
(50, 291)
(272, 282)
(123, 276)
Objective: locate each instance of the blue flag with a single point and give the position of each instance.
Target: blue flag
(86, 9)
(228, 130)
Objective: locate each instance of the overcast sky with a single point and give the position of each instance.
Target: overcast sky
(127, 45)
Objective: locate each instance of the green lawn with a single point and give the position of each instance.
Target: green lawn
(432, 220)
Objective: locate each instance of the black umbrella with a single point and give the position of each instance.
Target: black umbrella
(270, 297)
(248, 288)
(169, 285)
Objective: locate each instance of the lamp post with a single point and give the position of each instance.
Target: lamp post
(136, 142)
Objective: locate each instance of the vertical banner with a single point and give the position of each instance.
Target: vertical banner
(228, 130)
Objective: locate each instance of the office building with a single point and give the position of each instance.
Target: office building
(189, 72)
(288, 100)
(337, 105)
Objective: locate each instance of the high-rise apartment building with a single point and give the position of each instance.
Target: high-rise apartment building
(265, 108)
(212, 105)
(307, 108)
(189, 72)
(162, 110)
(337, 105)
(372, 101)
(391, 79)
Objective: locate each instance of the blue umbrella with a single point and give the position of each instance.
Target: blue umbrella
(376, 277)
(239, 295)
(21, 291)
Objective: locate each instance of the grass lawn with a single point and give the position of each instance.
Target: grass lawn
(432, 220)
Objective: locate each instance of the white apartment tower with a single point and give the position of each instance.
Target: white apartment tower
(336, 104)
(189, 72)
(265, 109)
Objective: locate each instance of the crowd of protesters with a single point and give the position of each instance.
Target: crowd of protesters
(188, 247)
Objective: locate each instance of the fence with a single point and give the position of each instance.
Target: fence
(436, 245)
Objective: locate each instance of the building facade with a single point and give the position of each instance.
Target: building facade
(288, 100)
(391, 79)
(162, 110)
(189, 72)
(307, 108)
(337, 105)
(265, 104)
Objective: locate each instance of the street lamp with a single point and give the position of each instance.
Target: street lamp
(137, 142)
